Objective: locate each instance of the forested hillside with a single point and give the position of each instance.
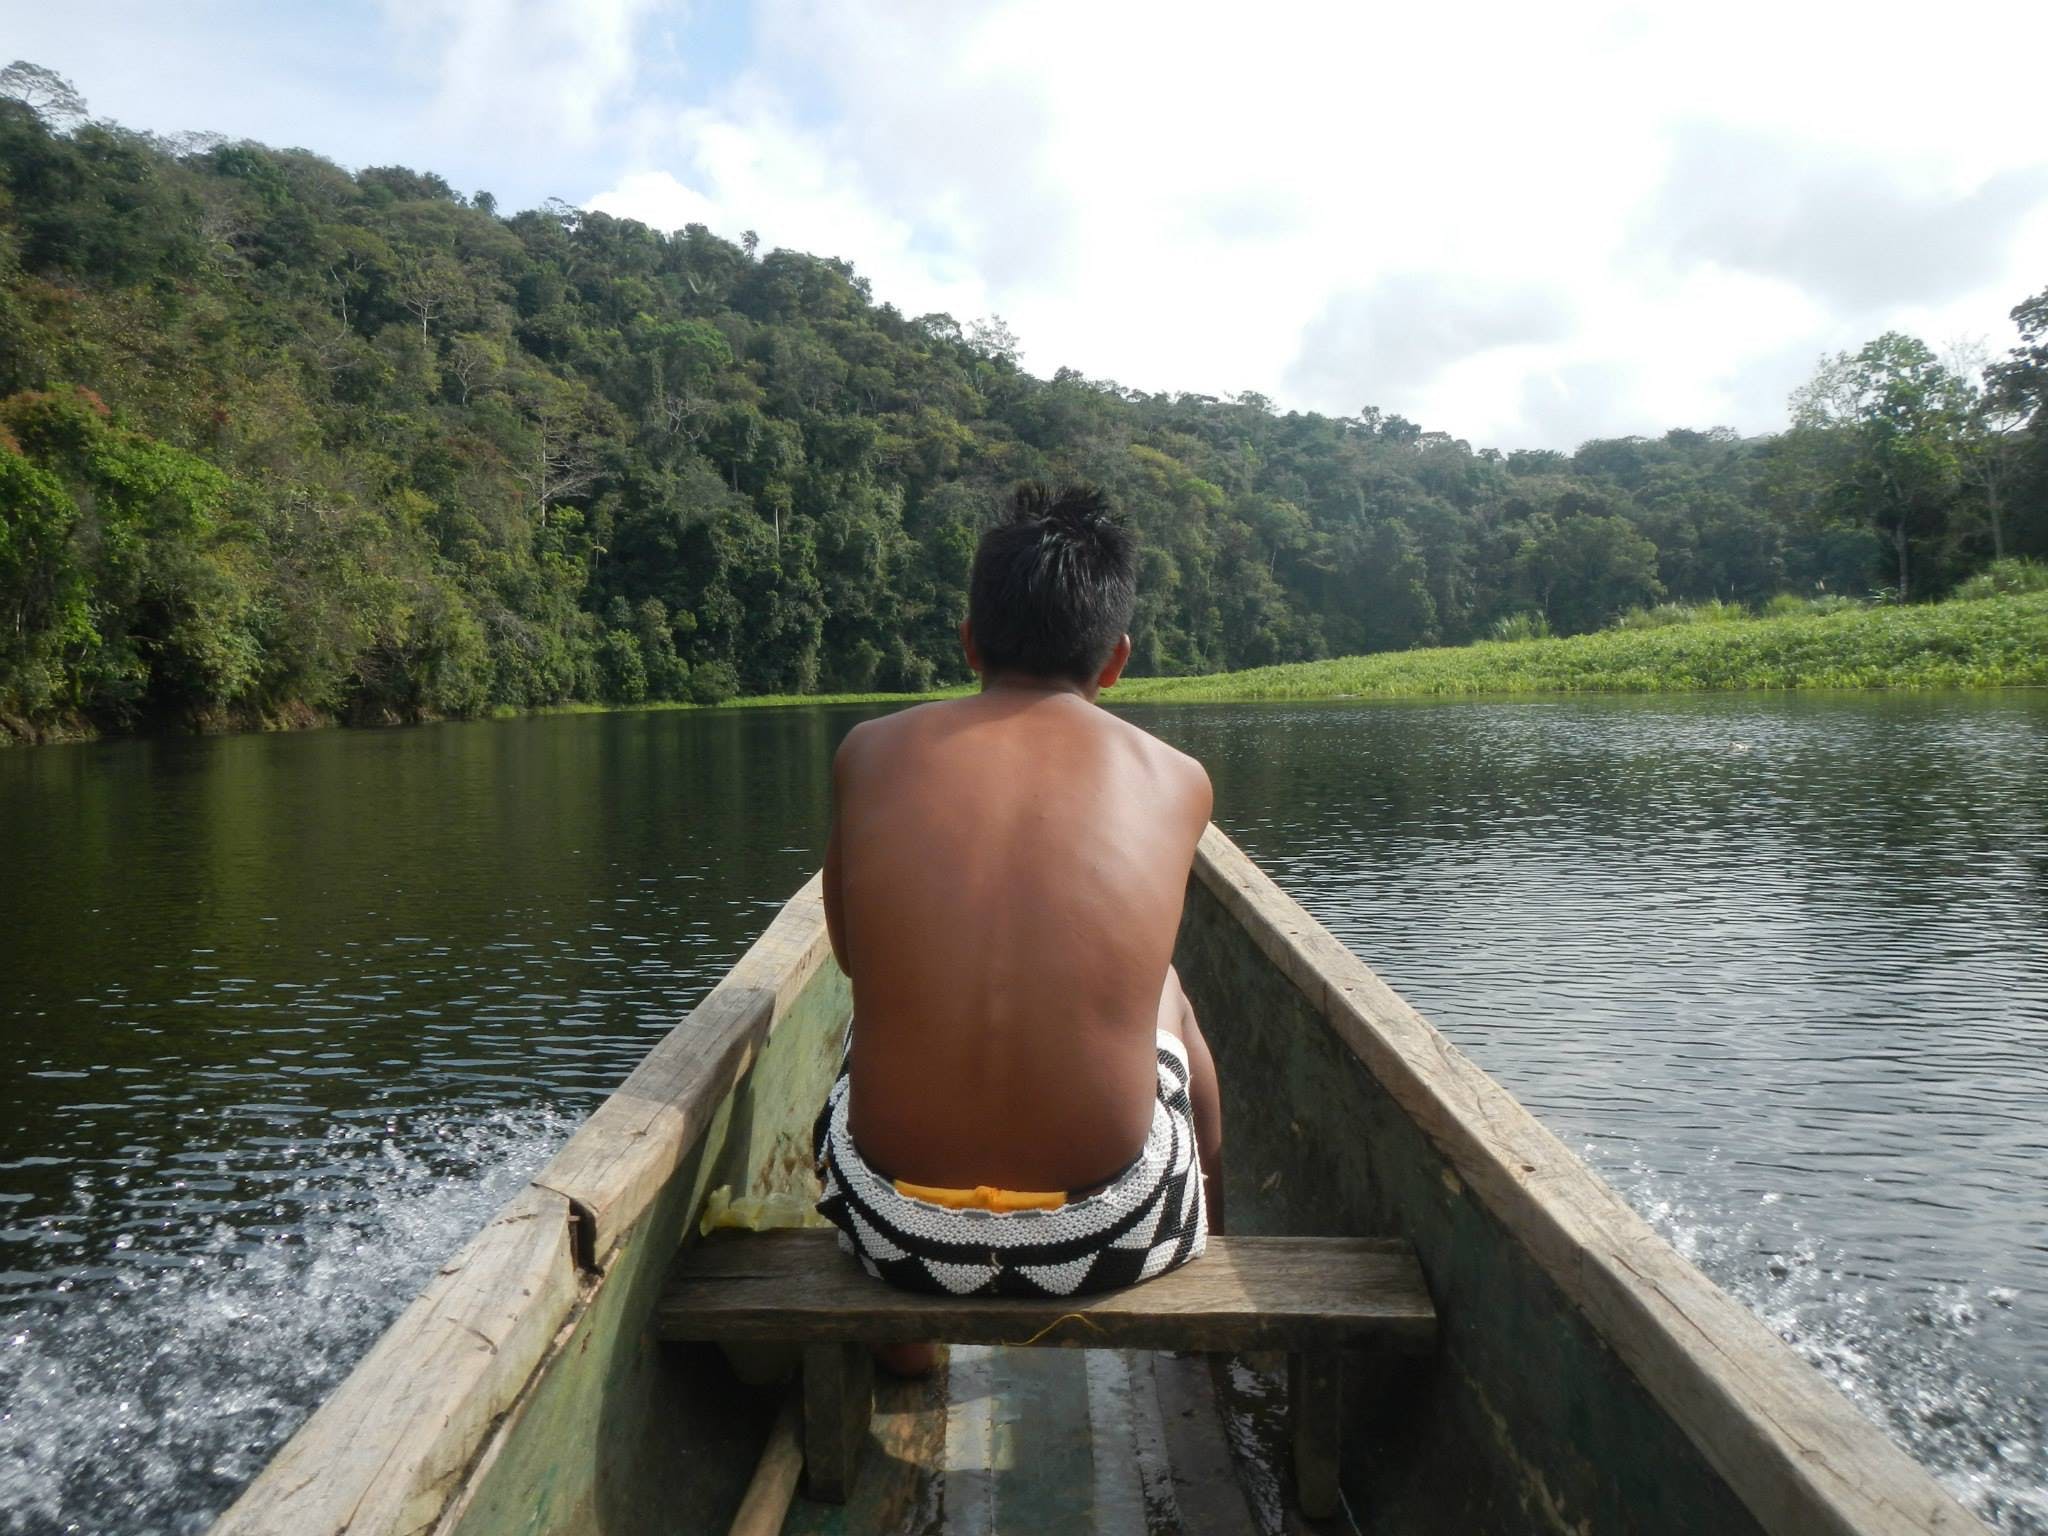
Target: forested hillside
(279, 442)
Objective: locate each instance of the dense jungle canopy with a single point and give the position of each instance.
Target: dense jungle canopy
(280, 442)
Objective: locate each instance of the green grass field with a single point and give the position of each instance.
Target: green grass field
(1988, 642)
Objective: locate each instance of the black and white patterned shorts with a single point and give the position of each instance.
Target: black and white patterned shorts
(1150, 1219)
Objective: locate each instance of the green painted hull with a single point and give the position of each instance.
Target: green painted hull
(1587, 1380)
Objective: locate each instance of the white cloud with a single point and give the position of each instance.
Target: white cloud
(1189, 198)
(521, 73)
(1400, 335)
(1850, 228)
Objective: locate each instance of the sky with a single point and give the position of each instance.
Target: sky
(1524, 225)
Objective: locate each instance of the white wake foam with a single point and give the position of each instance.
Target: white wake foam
(143, 1394)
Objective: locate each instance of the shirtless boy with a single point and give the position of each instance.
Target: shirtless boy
(1026, 1089)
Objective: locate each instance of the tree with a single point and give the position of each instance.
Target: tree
(684, 358)
(561, 459)
(126, 524)
(994, 340)
(428, 284)
(2016, 400)
(44, 92)
(475, 362)
(44, 594)
(668, 675)
(1993, 461)
(2020, 382)
(1385, 602)
(354, 262)
(1581, 572)
(1886, 423)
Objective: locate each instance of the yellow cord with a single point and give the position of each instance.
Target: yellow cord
(1071, 1317)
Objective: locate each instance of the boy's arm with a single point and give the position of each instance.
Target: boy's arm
(835, 919)
(835, 906)
(1201, 794)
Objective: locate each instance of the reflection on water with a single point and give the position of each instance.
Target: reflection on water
(286, 1017)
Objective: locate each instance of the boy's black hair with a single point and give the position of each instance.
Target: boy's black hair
(1054, 584)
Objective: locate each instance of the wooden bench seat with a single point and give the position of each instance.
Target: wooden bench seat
(1310, 1296)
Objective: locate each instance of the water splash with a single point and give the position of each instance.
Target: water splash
(141, 1394)
(1910, 1360)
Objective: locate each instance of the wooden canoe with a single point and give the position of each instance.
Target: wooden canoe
(1586, 1379)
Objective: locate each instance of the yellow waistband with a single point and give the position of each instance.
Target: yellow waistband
(983, 1197)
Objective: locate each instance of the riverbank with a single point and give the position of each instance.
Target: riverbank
(1993, 642)
(1990, 642)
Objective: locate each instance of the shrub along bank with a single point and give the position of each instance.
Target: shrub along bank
(1983, 643)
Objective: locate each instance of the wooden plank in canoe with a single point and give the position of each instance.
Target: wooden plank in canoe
(1095, 1443)
(1209, 1497)
(1244, 1293)
(1041, 1446)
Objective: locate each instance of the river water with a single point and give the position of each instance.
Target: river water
(284, 1018)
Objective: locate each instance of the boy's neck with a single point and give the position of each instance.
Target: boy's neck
(1018, 683)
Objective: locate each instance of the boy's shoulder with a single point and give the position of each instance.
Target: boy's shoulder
(1188, 778)
(869, 736)
(1144, 740)
(886, 735)
(1192, 777)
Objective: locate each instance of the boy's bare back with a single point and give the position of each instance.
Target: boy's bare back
(1004, 885)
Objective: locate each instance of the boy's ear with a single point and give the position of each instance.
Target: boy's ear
(969, 648)
(1118, 659)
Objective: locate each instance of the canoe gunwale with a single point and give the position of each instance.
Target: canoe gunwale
(1797, 1453)
(620, 1159)
(393, 1448)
